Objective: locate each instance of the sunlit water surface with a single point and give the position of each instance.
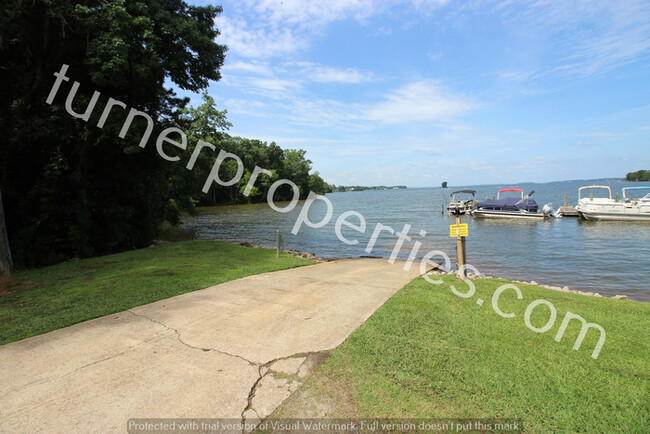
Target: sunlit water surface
(605, 257)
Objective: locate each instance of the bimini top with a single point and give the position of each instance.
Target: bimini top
(518, 190)
(604, 187)
(472, 192)
(647, 196)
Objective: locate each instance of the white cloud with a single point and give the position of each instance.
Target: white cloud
(580, 143)
(316, 12)
(419, 101)
(334, 75)
(581, 37)
(246, 106)
(518, 75)
(277, 89)
(259, 68)
(273, 84)
(272, 28)
(291, 101)
(257, 41)
(294, 74)
(309, 71)
(323, 113)
(268, 28)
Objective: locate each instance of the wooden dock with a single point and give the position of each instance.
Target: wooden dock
(569, 211)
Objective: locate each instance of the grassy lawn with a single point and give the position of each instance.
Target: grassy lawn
(432, 354)
(50, 298)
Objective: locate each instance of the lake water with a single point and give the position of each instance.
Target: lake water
(605, 257)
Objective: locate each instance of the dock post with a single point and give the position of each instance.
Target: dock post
(460, 248)
(617, 196)
(565, 199)
(443, 208)
(279, 244)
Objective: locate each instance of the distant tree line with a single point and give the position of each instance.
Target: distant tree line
(640, 175)
(70, 189)
(361, 187)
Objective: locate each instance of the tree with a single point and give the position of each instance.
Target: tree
(296, 168)
(318, 185)
(6, 264)
(641, 175)
(72, 189)
(206, 123)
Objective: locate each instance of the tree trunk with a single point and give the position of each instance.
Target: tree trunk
(6, 264)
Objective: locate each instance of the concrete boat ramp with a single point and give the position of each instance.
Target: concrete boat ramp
(234, 350)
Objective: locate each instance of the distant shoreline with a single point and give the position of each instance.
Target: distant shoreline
(342, 188)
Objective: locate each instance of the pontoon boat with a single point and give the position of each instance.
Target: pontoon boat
(522, 207)
(462, 206)
(632, 207)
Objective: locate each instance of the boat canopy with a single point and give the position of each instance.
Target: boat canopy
(518, 190)
(647, 196)
(472, 192)
(594, 186)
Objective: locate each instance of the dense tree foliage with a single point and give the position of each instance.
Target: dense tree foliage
(640, 175)
(71, 189)
(208, 124)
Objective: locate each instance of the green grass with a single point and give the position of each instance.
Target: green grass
(430, 353)
(50, 298)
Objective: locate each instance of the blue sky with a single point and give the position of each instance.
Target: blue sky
(423, 91)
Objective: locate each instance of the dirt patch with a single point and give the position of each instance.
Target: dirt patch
(5, 286)
(6, 282)
(322, 395)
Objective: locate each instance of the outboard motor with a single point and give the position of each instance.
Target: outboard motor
(549, 210)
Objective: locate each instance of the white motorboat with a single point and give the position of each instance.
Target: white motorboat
(459, 206)
(632, 207)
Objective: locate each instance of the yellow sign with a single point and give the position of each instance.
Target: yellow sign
(458, 230)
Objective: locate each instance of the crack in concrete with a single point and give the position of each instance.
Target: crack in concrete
(254, 387)
(178, 336)
(251, 395)
(260, 366)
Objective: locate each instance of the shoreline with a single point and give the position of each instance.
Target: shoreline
(438, 271)
(435, 270)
